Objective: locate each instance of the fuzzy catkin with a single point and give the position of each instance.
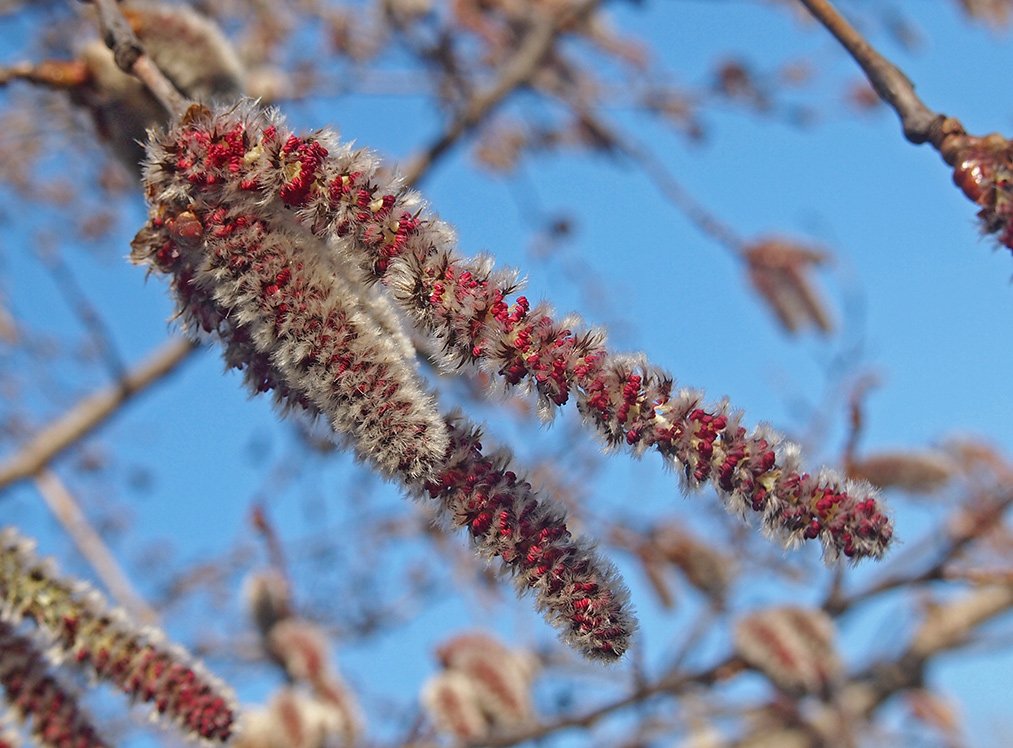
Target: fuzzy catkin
(300, 324)
(577, 591)
(246, 155)
(37, 698)
(293, 325)
(105, 642)
(502, 677)
(792, 646)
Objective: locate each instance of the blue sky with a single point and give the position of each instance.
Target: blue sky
(922, 300)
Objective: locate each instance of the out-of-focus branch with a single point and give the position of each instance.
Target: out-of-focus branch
(920, 123)
(516, 72)
(779, 270)
(949, 625)
(58, 74)
(117, 34)
(91, 412)
(705, 221)
(87, 313)
(65, 508)
(672, 683)
(946, 626)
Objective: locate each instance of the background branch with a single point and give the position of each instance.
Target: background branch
(65, 508)
(920, 124)
(91, 412)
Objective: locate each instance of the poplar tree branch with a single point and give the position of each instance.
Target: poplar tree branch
(920, 123)
(517, 71)
(131, 59)
(669, 684)
(65, 508)
(90, 413)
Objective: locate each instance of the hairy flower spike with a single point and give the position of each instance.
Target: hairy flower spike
(577, 591)
(293, 319)
(471, 309)
(287, 314)
(37, 697)
(103, 641)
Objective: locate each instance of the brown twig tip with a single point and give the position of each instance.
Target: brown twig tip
(889, 82)
(983, 166)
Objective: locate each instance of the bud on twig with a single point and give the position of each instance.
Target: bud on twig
(983, 169)
(186, 46)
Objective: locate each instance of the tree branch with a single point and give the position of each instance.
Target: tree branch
(131, 59)
(66, 509)
(90, 413)
(673, 683)
(517, 72)
(920, 123)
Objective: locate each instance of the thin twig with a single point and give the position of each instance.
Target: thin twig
(160, 87)
(64, 507)
(87, 313)
(57, 74)
(117, 34)
(669, 684)
(516, 72)
(706, 222)
(91, 412)
(129, 56)
(920, 123)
